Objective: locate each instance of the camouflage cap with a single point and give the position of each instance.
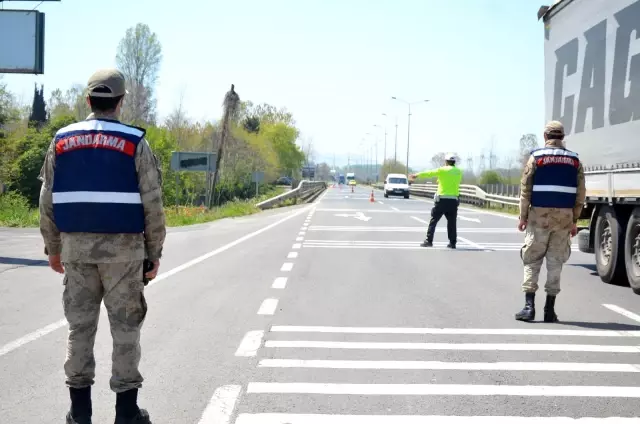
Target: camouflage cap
(554, 127)
(110, 79)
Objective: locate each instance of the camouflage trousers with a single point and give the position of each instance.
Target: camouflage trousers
(121, 287)
(541, 243)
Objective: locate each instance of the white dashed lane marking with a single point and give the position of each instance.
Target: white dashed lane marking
(268, 307)
(279, 283)
(287, 266)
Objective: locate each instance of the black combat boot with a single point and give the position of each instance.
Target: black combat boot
(127, 411)
(549, 312)
(427, 244)
(80, 412)
(451, 245)
(528, 313)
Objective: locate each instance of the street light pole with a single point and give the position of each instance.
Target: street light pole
(395, 151)
(408, 136)
(408, 124)
(384, 158)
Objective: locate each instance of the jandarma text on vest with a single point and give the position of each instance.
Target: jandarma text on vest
(557, 160)
(99, 140)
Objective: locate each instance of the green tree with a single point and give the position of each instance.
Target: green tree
(528, 142)
(59, 105)
(251, 124)
(38, 116)
(490, 177)
(390, 166)
(282, 137)
(9, 114)
(139, 57)
(30, 151)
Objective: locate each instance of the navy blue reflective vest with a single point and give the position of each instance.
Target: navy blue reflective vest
(555, 181)
(95, 182)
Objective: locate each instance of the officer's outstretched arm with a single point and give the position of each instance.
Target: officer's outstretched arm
(428, 173)
(48, 228)
(150, 184)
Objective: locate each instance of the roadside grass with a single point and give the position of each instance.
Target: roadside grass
(16, 212)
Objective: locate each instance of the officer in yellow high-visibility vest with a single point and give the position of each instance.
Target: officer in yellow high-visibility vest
(446, 199)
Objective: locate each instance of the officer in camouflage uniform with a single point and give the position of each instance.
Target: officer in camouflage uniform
(101, 214)
(551, 200)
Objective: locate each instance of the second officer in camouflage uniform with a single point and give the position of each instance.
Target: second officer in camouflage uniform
(551, 200)
(101, 214)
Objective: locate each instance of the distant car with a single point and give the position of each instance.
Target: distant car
(284, 181)
(352, 182)
(396, 185)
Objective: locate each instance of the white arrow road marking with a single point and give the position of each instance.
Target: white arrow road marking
(357, 215)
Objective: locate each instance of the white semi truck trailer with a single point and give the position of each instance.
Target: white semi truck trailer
(592, 86)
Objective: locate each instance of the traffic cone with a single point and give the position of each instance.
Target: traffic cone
(371, 199)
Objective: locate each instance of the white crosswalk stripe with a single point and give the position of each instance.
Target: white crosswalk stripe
(463, 244)
(296, 362)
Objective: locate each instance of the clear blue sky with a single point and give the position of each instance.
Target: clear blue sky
(333, 63)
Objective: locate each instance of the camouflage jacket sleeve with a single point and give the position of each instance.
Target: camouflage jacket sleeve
(580, 194)
(526, 187)
(48, 228)
(150, 184)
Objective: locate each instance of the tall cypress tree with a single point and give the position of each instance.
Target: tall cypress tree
(38, 116)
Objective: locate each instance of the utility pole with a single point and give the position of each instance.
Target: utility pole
(231, 102)
(408, 136)
(395, 152)
(409, 123)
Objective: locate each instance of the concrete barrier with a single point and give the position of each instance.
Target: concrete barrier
(306, 191)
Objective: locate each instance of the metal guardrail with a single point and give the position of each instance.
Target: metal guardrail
(305, 191)
(468, 194)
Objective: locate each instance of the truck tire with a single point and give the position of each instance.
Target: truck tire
(632, 250)
(609, 247)
(583, 241)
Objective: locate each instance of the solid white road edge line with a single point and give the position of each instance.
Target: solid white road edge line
(35, 335)
(32, 336)
(444, 389)
(221, 406)
(279, 283)
(439, 365)
(268, 307)
(622, 311)
(461, 331)
(287, 266)
(312, 344)
(276, 418)
(250, 343)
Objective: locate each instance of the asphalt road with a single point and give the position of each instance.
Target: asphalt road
(332, 313)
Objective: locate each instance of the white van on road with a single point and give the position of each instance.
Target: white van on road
(396, 185)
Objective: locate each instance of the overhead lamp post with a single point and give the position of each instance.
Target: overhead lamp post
(409, 123)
